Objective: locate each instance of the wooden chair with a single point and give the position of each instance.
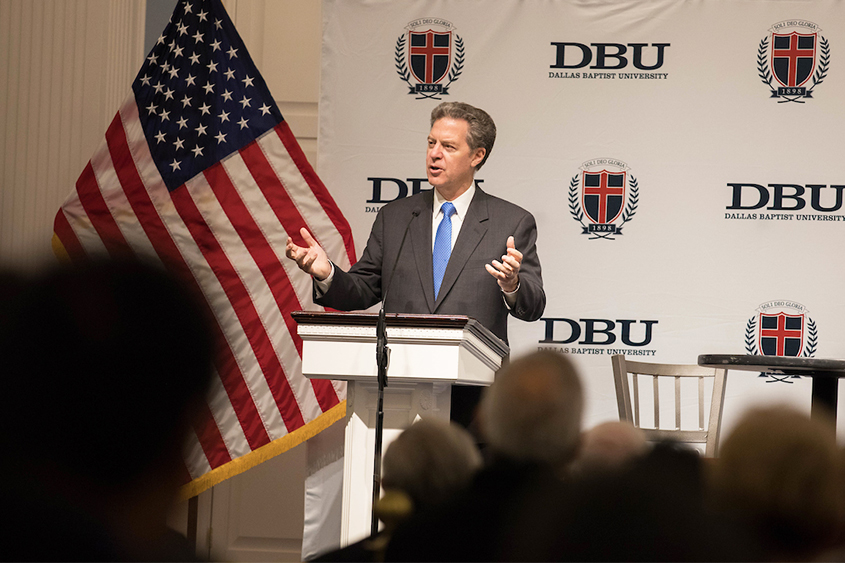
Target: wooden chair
(628, 376)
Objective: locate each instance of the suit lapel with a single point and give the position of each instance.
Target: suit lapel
(422, 244)
(472, 231)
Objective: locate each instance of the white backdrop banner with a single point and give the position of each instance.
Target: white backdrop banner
(682, 159)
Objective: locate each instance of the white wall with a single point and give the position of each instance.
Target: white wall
(64, 68)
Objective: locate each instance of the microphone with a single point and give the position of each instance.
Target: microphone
(414, 214)
(382, 358)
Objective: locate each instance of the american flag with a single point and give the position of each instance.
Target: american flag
(199, 169)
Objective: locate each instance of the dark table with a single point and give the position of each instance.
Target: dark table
(825, 374)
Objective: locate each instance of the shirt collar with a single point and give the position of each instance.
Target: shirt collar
(461, 202)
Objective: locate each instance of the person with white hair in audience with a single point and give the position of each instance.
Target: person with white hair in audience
(609, 446)
(531, 419)
(424, 466)
(430, 461)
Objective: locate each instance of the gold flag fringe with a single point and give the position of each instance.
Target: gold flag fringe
(59, 249)
(262, 454)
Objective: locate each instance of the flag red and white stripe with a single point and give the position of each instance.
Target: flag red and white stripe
(224, 229)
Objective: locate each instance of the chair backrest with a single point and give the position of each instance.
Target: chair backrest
(628, 377)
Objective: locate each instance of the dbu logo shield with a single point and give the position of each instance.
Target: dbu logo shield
(603, 197)
(781, 328)
(793, 59)
(429, 55)
(781, 334)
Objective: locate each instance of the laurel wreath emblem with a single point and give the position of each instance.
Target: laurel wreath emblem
(578, 214)
(750, 341)
(767, 78)
(752, 349)
(812, 339)
(403, 72)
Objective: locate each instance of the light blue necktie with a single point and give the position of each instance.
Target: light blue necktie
(442, 245)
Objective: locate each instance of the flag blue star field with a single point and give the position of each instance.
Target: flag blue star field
(199, 169)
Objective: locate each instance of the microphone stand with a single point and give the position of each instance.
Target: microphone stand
(382, 361)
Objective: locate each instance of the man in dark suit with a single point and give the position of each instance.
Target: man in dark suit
(489, 267)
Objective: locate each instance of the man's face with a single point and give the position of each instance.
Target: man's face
(450, 164)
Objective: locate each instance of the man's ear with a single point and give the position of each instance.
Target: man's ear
(478, 156)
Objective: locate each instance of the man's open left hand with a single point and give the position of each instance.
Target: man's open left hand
(506, 272)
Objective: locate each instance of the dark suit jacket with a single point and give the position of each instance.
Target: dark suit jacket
(467, 288)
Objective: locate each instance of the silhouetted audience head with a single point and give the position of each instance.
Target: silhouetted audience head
(533, 410)
(610, 445)
(430, 461)
(423, 468)
(780, 471)
(651, 508)
(103, 371)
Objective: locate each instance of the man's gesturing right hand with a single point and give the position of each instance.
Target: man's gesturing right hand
(311, 259)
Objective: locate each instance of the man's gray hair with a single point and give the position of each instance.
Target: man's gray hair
(430, 461)
(481, 132)
(533, 410)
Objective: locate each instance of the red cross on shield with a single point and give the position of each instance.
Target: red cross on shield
(603, 195)
(793, 57)
(781, 334)
(429, 55)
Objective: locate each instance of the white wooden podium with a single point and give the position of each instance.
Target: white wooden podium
(428, 354)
